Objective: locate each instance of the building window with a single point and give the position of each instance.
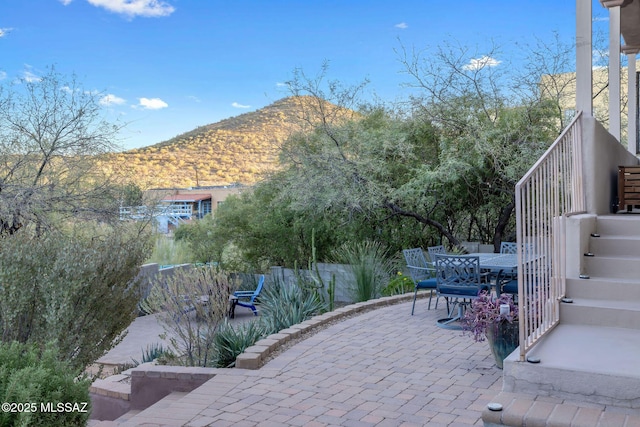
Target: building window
(206, 207)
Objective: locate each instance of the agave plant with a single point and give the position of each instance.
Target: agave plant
(284, 305)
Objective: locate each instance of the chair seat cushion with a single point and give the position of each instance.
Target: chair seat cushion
(464, 291)
(511, 287)
(427, 284)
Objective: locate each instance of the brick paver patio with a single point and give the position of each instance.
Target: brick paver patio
(380, 368)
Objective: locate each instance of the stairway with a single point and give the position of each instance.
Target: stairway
(593, 355)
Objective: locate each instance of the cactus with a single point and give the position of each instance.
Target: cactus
(313, 281)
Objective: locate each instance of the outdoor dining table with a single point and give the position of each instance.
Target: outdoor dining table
(496, 262)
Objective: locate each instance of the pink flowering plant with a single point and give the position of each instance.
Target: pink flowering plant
(485, 311)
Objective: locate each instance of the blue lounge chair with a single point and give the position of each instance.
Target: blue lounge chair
(247, 298)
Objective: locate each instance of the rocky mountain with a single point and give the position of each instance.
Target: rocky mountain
(239, 149)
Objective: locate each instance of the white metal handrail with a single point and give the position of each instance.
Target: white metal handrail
(545, 196)
(174, 210)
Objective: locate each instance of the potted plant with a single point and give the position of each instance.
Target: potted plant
(495, 319)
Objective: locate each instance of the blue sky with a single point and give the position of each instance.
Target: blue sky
(168, 66)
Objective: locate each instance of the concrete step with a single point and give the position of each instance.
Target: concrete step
(614, 245)
(621, 225)
(142, 416)
(601, 312)
(615, 267)
(603, 288)
(593, 364)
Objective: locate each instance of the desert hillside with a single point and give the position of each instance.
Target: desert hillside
(239, 149)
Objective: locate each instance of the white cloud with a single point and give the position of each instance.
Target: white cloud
(152, 103)
(132, 8)
(30, 77)
(237, 105)
(3, 75)
(66, 2)
(480, 63)
(111, 99)
(402, 26)
(193, 98)
(280, 84)
(5, 31)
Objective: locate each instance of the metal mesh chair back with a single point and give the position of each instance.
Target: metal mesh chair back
(419, 268)
(458, 275)
(436, 250)
(508, 248)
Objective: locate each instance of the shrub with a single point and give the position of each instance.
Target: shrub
(400, 284)
(76, 287)
(191, 304)
(170, 251)
(230, 341)
(370, 267)
(34, 376)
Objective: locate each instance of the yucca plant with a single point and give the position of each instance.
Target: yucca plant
(370, 266)
(231, 341)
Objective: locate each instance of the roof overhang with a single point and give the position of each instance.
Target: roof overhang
(187, 198)
(629, 23)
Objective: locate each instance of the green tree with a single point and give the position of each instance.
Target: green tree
(491, 132)
(51, 134)
(445, 169)
(67, 268)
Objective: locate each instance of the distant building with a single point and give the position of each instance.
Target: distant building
(173, 206)
(562, 88)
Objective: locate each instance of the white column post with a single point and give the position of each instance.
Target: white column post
(584, 73)
(632, 107)
(614, 71)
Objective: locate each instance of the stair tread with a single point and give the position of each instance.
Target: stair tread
(591, 349)
(607, 280)
(608, 303)
(621, 257)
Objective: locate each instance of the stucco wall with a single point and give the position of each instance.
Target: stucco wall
(602, 154)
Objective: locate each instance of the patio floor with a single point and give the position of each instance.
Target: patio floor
(380, 368)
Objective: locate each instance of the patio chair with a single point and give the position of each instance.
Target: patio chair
(248, 298)
(422, 274)
(508, 248)
(435, 250)
(459, 278)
